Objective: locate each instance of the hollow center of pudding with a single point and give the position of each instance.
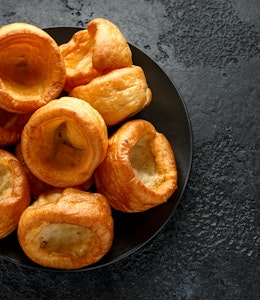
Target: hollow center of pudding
(143, 161)
(6, 182)
(23, 68)
(65, 145)
(65, 238)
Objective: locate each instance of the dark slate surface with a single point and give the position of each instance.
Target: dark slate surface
(210, 248)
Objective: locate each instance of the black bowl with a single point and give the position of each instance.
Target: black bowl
(168, 114)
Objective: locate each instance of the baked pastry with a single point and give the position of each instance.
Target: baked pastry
(64, 141)
(66, 229)
(116, 95)
(11, 126)
(139, 171)
(14, 192)
(94, 51)
(32, 70)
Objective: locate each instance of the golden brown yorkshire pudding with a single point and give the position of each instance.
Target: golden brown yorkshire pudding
(64, 141)
(14, 192)
(32, 70)
(139, 171)
(67, 229)
(94, 51)
(116, 95)
(11, 126)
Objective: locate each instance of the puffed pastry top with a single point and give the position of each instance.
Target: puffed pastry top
(94, 51)
(116, 95)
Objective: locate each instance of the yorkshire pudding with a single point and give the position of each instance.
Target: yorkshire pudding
(139, 171)
(67, 229)
(14, 192)
(32, 70)
(116, 95)
(94, 51)
(64, 141)
(11, 126)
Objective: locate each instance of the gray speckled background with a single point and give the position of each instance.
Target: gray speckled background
(210, 248)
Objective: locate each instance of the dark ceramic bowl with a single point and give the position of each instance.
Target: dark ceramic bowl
(168, 114)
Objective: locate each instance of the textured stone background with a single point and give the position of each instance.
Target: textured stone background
(210, 248)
